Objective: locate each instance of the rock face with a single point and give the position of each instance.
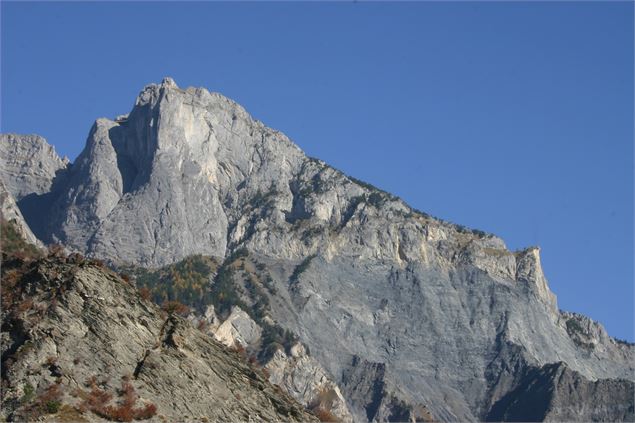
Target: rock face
(450, 315)
(11, 213)
(306, 380)
(31, 172)
(298, 374)
(366, 386)
(28, 164)
(238, 328)
(78, 342)
(555, 393)
(142, 181)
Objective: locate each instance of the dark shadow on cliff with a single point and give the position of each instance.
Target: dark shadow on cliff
(37, 208)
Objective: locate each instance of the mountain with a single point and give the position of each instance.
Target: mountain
(78, 343)
(11, 212)
(412, 317)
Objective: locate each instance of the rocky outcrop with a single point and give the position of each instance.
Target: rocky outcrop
(79, 343)
(297, 373)
(366, 386)
(555, 393)
(354, 271)
(179, 152)
(32, 173)
(11, 213)
(306, 380)
(239, 329)
(208, 321)
(28, 165)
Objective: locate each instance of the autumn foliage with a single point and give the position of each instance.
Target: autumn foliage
(175, 307)
(125, 410)
(145, 293)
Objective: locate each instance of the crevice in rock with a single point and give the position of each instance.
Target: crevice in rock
(160, 340)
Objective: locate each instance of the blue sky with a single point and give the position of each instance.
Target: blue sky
(513, 118)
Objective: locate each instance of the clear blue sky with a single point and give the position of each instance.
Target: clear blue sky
(513, 118)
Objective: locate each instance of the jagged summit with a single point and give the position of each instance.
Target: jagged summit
(28, 164)
(383, 295)
(168, 82)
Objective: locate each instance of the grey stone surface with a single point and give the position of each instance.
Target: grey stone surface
(238, 328)
(168, 177)
(553, 392)
(366, 385)
(28, 164)
(297, 373)
(445, 309)
(11, 213)
(305, 379)
(32, 173)
(84, 322)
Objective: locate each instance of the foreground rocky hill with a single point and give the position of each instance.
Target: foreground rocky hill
(411, 317)
(80, 344)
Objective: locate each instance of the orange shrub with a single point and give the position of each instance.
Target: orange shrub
(145, 293)
(98, 263)
(25, 305)
(325, 415)
(56, 250)
(175, 307)
(98, 401)
(147, 412)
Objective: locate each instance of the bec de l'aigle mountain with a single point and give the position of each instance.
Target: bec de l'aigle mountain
(346, 303)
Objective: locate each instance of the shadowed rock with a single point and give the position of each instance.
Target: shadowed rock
(450, 313)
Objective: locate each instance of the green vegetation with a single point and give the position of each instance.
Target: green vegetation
(459, 228)
(28, 393)
(52, 406)
(363, 184)
(350, 210)
(311, 232)
(317, 161)
(573, 326)
(261, 199)
(479, 233)
(464, 230)
(380, 194)
(576, 333)
(275, 337)
(497, 252)
(225, 294)
(13, 244)
(301, 268)
(187, 281)
(48, 401)
(316, 185)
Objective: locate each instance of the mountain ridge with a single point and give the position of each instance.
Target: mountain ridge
(357, 271)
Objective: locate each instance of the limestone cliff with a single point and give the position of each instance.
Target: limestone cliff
(11, 213)
(445, 311)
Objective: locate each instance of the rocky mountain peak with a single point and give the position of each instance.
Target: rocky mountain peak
(428, 317)
(529, 270)
(168, 82)
(28, 164)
